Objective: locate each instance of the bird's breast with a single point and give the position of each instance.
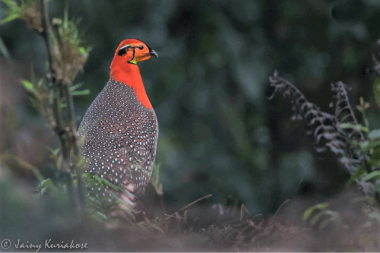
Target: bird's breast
(120, 136)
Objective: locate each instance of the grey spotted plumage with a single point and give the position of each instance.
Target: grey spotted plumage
(119, 137)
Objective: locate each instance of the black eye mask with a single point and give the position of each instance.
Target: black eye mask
(124, 50)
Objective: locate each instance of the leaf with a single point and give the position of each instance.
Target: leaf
(374, 134)
(21, 164)
(29, 86)
(84, 51)
(75, 86)
(56, 151)
(44, 186)
(334, 216)
(11, 4)
(47, 183)
(3, 49)
(10, 18)
(316, 217)
(81, 92)
(371, 175)
(376, 90)
(106, 182)
(357, 174)
(364, 145)
(310, 210)
(375, 158)
(324, 223)
(102, 215)
(376, 187)
(81, 162)
(355, 127)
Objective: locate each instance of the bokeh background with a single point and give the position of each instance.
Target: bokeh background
(219, 134)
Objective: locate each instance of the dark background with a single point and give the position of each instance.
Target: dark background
(218, 132)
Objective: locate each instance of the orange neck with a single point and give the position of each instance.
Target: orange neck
(129, 74)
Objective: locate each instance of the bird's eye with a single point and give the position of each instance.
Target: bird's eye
(141, 47)
(122, 51)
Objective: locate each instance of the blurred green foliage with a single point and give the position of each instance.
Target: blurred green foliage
(218, 133)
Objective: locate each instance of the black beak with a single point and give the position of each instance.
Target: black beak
(153, 53)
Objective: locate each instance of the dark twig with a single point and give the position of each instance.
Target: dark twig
(58, 89)
(45, 33)
(187, 206)
(55, 118)
(71, 133)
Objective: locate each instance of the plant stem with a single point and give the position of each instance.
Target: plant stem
(71, 133)
(70, 191)
(187, 206)
(50, 77)
(67, 137)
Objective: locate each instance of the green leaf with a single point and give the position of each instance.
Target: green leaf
(11, 4)
(81, 162)
(29, 86)
(80, 92)
(309, 211)
(9, 18)
(371, 175)
(364, 145)
(106, 182)
(357, 174)
(376, 187)
(355, 127)
(75, 86)
(325, 223)
(47, 183)
(375, 157)
(3, 49)
(56, 151)
(83, 51)
(334, 216)
(376, 90)
(375, 144)
(374, 134)
(102, 215)
(315, 219)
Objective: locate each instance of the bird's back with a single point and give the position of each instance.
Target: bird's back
(120, 136)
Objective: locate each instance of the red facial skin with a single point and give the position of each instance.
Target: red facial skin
(127, 72)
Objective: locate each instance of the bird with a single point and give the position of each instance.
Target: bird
(119, 130)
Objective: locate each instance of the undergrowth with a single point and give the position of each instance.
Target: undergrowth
(230, 226)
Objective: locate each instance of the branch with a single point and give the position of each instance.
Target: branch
(72, 134)
(66, 135)
(45, 33)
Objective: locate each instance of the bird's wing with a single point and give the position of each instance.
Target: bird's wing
(94, 113)
(120, 137)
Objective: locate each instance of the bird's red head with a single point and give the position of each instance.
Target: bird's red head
(124, 66)
(131, 51)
